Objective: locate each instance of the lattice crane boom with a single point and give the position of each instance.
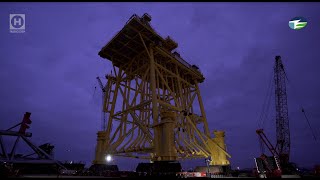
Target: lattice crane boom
(282, 120)
(103, 114)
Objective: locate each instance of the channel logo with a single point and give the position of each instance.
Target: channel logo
(17, 23)
(297, 23)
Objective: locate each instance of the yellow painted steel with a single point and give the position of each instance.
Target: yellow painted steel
(217, 155)
(100, 153)
(167, 150)
(150, 100)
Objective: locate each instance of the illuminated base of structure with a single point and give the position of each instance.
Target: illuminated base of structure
(217, 155)
(166, 154)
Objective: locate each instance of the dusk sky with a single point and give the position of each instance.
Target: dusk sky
(50, 70)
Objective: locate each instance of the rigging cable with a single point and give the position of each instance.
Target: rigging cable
(300, 104)
(265, 103)
(314, 136)
(262, 147)
(265, 110)
(266, 113)
(94, 92)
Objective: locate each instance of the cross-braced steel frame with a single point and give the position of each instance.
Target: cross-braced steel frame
(154, 107)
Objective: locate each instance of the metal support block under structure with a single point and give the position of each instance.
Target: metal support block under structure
(214, 169)
(159, 168)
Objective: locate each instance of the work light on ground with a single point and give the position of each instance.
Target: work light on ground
(108, 158)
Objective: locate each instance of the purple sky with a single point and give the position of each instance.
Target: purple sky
(50, 69)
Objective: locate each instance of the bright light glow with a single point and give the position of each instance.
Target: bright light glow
(108, 158)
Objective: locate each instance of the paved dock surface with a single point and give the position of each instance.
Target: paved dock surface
(55, 176)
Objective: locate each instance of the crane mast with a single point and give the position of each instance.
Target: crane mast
(103, 114)
(282, 120)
